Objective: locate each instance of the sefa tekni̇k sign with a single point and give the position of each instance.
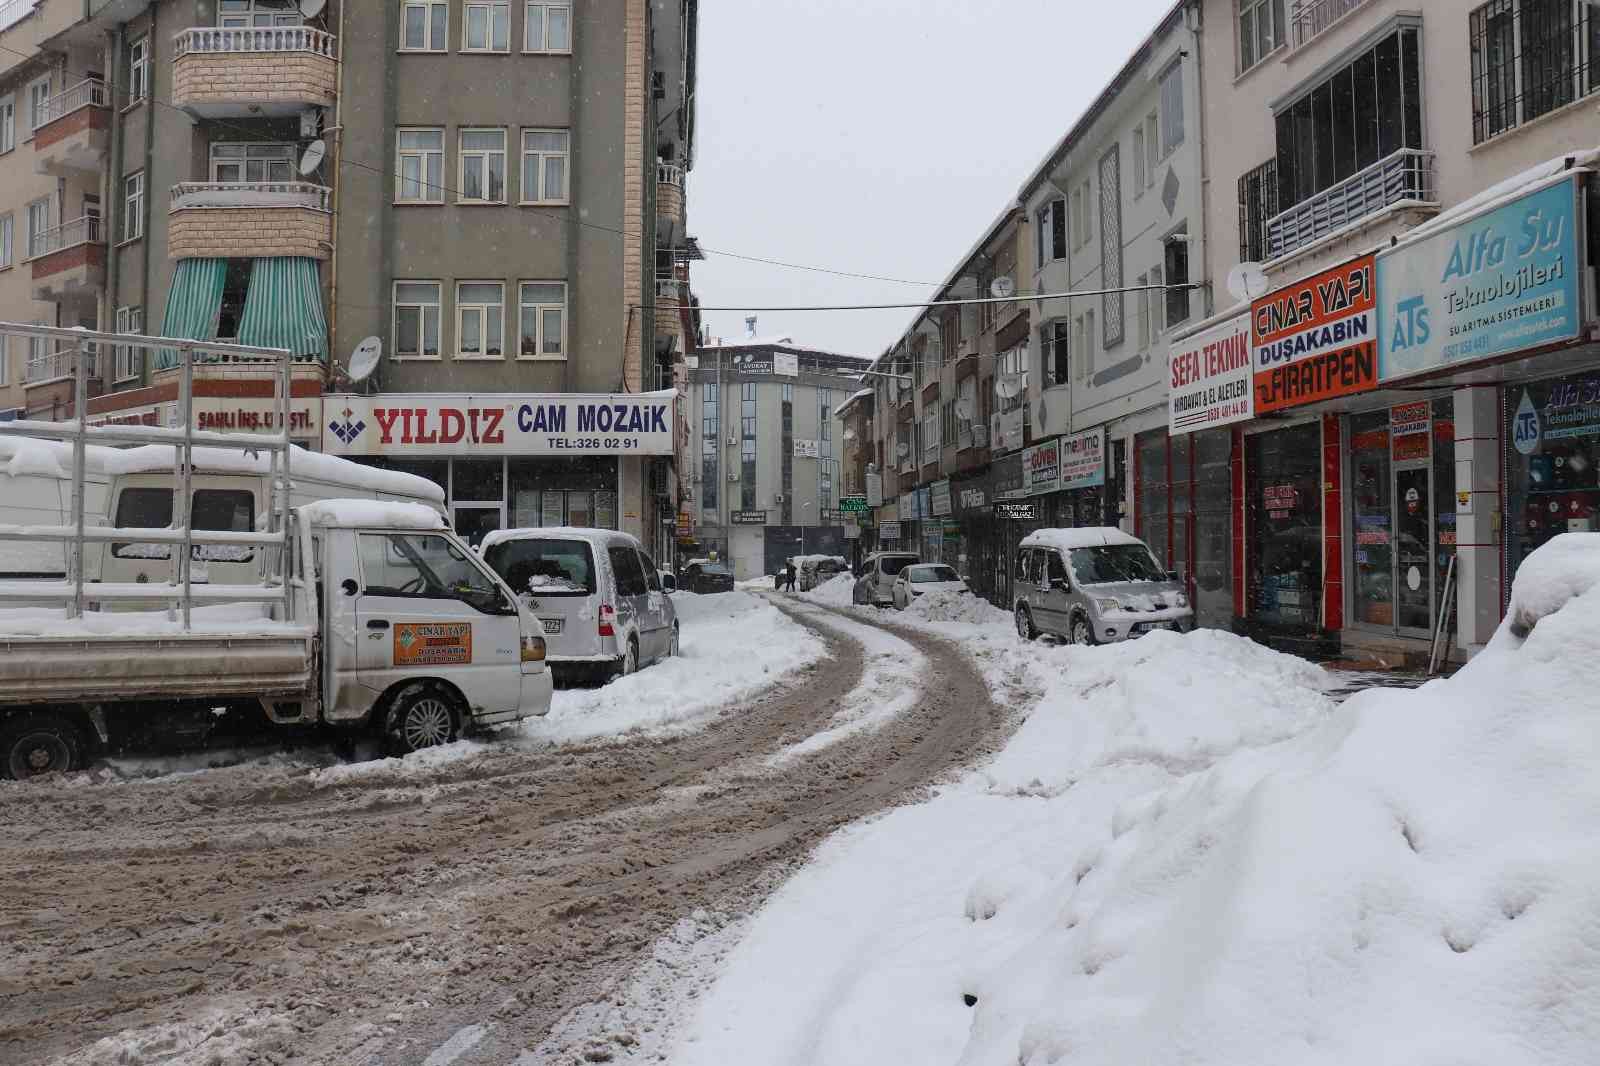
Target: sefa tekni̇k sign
(498, 424)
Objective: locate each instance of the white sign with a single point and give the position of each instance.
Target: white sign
(1083, 460)
(908, 507)
(570, 424)
(785, 365)
(889, 531)
(874, 490)
(1041, 468)
(805, 449)
(1209, 378)
(227, 414)
(1006, 432)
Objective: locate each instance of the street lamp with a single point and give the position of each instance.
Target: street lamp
(804, 507)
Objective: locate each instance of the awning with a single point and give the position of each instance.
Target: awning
(283, 307)
(194, 303)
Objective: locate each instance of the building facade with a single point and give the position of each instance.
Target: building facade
(768, 453)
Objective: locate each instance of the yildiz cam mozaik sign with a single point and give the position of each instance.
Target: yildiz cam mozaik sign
(499, 424)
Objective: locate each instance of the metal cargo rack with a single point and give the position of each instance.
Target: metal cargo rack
(179, 594)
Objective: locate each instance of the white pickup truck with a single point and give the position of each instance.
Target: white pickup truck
(389, 623)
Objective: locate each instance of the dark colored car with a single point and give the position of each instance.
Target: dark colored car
(703, 578)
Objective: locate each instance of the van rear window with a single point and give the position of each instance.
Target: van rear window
(229, 510)
(893, 564)
(544, 567)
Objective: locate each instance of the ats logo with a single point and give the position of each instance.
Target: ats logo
(346, 430)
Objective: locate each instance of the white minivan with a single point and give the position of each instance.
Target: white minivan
(36, 490)
(597, 592)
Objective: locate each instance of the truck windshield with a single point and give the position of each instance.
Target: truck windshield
(544, 567)
(1107, 563)
(426, 567)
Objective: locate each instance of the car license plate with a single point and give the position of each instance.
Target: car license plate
(552, 625)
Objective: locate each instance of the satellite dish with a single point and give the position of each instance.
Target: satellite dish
(1002, 288)
(1247, 282)
(364, 360)
(315, 151)
(312, 8)
(1008, 386)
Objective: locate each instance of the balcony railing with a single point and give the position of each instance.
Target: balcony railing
(669, 174)
(90, 92)
(210, 40)
(250, 194)
(82, 230)
(57, 365)
(1406, 177)
(1311, 17)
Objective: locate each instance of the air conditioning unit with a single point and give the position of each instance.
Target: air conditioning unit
(733, 475)
(733, 442)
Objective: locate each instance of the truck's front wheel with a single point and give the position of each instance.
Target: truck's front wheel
(38, 744)
(422, 718)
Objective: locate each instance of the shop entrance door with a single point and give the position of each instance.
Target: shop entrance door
(1413, 548)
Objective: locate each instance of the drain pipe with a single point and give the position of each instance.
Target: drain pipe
(149, 191)
(333, 200)
(115, 205)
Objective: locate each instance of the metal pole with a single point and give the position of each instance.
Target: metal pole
(281, 518)
(80, 448)
(186, 457)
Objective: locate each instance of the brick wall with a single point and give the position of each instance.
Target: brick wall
(636, 79)
(254, 231)
(669, 201)
(97, 119)
(260, 77)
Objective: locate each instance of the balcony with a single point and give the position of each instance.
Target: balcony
(670, 336)
(57, 366)
(1309, 19)
(244, 218)
(253, 72)
(669, 202)
(69, 262)
(1401, 180)
(74, 131)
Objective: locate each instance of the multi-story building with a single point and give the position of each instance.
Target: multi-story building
(767, 454)
(493, 190)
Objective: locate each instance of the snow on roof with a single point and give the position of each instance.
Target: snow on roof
(347, 514)
(1083, 537)
(500, 536)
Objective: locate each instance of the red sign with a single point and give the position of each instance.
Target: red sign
(1316, 339)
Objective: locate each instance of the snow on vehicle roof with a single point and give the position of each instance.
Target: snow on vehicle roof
(21, 455)
(500, 536)
(1082, 537)
(346, 514)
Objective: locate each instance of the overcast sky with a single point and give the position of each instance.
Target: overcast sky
(877, 137)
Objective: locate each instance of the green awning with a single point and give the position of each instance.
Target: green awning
(194, 303)
(283, 307)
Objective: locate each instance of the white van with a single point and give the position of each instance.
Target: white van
(597, 592)
(36, 490)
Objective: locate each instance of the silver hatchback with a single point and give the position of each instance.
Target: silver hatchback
(1094, 586)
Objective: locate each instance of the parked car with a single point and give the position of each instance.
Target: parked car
(1095, 585)
(704, 577)
(816, 569)
(597, 592)
(923, 578)
(875, 584)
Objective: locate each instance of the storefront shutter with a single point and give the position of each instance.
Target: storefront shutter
(283, 307)
(194, 302)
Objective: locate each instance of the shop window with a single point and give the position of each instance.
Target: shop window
(1284, 523)
(1552, 439)
(477, 479)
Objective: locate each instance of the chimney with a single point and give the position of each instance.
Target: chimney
(750, 327)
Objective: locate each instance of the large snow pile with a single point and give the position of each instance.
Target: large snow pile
(835, 591)
(1188, 855)
(957, 607)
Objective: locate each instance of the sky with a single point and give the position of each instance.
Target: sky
(877, 137)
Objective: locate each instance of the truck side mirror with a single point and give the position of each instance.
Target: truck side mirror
(349, 586)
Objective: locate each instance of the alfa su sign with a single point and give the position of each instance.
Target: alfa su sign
(498, 424)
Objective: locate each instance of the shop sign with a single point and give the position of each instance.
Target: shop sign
(1316, 339)
(908, 507)
(924, 503)
(1502, 282)
(1017, 512)
(1083, 460)
(432, 643)
(1007, 473)
(939, 498)
(1006, 432)
(1279, 500)
(852, 531)
(226, 414)
(685, 523)
(568, 424)
(874, 490)
(889, 531)
(849, 504)
(785, 365)
(1041, 468)
(1208, 378)
(972, 499)
(749, 518)
(1409, 426)
(805, 449)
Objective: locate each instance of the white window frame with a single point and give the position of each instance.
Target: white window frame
(422, 309)
(1173, 70)
(484, 311)
(1158, 305)
(138, 70)
(1252, 10)
(8, 122)
(538, 158)
(544, 8)
(133, 192)
(483, 159)
(5, 360)
(1140, 164)
(264, 17)
(539, 310)
(431, 194)
(1142, 305)
(283, 153)
(488, 7)
(1152, 148)
(127, 357)
(35, 102)
(48, 202)
(8, 235)
(428, 7)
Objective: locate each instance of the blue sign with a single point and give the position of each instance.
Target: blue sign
(1499, 283)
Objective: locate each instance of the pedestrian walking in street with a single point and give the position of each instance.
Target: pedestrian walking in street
(788, 574)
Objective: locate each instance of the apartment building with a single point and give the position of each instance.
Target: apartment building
(492, 190)
(767, 458)
(1413, 174)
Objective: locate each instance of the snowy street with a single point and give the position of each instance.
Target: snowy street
(471, 897)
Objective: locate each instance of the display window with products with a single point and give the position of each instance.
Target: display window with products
(1402, 513)
(1183, 511)
(1552, 447)
(1283, 521)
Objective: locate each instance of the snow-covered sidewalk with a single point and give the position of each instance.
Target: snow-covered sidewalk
(1189, 854)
